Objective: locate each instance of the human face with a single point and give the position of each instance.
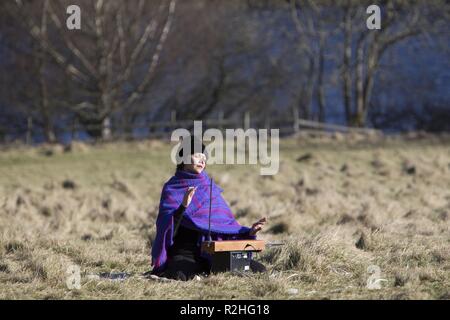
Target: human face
(198, 163)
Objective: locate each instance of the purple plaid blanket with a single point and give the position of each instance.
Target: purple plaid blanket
(223, 224)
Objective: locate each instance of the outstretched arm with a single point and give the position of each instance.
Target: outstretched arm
(257, 226)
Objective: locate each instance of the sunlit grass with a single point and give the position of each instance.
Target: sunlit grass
(339, 205)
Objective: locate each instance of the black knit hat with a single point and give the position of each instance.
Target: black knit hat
(194, 145)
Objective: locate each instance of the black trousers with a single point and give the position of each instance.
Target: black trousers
(186, 266)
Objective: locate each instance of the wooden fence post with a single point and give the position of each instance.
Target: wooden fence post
(296, 120)
(246, 120)
(267, 122)
(173, 116)
(221, 117)
(74, 135)
(106, 129)
(173, 121)
(29, 137)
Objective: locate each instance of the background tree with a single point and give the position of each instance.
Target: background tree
(110, 61)
(136, 62)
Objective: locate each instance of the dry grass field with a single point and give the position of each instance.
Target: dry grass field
(339, 205)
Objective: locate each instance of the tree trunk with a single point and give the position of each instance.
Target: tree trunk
(320, 84)
(44, 103)
(309, 89)
(346, 68)
(360, 101)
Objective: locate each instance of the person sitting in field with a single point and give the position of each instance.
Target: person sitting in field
(182, 222)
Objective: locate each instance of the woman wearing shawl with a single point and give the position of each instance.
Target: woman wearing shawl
(182, 222)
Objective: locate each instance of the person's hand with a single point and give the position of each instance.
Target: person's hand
(188, 196)
(257, 226)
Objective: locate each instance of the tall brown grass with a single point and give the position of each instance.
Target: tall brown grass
(340, 206)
